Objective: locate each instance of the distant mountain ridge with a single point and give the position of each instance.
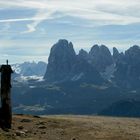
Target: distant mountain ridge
(93, 82)
(127, 108)
(30, 68)
(121, 69)
(65, 65)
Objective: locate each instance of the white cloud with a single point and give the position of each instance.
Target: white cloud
(41, 15)
(97, 12)
(19, 20)
(22, 3)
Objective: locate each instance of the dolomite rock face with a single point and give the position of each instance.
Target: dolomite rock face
(100, 57)
(65, 65)
(116, 54)
(127, 72)
(60, 62)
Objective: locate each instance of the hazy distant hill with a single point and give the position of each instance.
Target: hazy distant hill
(30, 68)
(127, 108)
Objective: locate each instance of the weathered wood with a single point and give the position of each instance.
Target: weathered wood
(6, 109)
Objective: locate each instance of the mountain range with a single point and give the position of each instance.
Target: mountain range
(84, 83)
(96, 66)
(30, 68)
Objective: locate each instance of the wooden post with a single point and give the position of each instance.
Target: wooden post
(6, 109)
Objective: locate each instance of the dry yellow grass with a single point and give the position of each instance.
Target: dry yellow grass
(73, 128)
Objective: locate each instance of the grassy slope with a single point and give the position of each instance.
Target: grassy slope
(73, 127)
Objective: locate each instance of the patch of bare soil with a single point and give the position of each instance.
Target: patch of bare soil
(72, 128)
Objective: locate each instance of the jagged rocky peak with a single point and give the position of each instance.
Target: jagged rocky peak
(95, 49)
(134, 47)
(115, 53)
(99, 49)
(62, 50)
(61, 59)
(65, 65)
(132, 55)
(105, 50)
(133, 51)
(63, 46)
(128, 67)
(100, 57)
(83, 54)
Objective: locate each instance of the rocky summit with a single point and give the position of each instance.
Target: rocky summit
(100, 57)
(65, 65)
(60, 62)
(96, 66)
(128, 67)
(116, 54)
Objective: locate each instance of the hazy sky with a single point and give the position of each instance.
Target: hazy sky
(28, 28)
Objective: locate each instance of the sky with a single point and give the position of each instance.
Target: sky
(29, 28)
